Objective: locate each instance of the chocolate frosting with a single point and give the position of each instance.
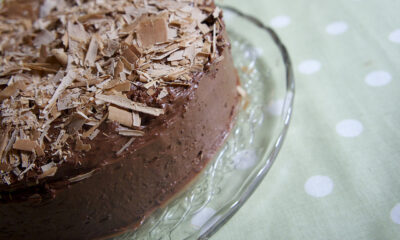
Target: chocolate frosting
(98, 194)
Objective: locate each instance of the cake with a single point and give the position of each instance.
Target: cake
(109, 108)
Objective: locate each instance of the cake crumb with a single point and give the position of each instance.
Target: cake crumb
(125, 146)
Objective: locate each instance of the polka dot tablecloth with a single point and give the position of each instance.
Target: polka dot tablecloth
(338, 174)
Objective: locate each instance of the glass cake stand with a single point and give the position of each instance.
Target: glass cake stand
(266, 74)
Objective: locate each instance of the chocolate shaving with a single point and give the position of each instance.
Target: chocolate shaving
(94, 134)
(121, 116)
(9, 144)
(39, 151)
(123, 87)
(11, 90)
(216, 13)
(32, 165)
(68, 101)
(48, 170)
(92, 129)
(65, 82)
(91, 16)
(152, 30)
(25, 145)
(125, 146)
(48, 173)
(4, 140)
(241, 91)
(77, 32)
(92, 52)
(163, 93)
(244, 96)
(28, 145)
(25, 160)
(129, 55)
(43, 38)
(81, 177)
(136, 120)
(87, 82)
(112, 47)
(176, 56)
(60, 55)
(45, 67)
(117, 70)
(76, 123)
(130, 132)
(214, 48)
(190, 53)
(128, 104)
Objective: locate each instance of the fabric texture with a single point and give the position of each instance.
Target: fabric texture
(338, 174)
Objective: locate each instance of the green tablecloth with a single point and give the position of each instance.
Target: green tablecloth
(338, 175)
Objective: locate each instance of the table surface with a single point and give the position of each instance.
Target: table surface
(337, 176)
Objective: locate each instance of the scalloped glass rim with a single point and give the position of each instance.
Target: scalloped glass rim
(227, 183)
(269, 157)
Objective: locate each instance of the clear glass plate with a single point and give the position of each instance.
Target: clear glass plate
(266, 74)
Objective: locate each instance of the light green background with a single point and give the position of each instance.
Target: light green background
(365, 169)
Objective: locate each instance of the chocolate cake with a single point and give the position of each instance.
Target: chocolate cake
(109, 108)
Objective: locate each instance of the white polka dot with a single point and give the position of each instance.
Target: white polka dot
(395, 36)
(202, 217)
(349, 128)
(245, 159)
(318, 186)
(309, 66)
(280, 21)
(275, 107)
(336, 28)
(378, 78)
(395, 214)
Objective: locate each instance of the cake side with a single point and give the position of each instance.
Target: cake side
(119, 195)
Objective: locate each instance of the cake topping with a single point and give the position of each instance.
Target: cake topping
(66, 68)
